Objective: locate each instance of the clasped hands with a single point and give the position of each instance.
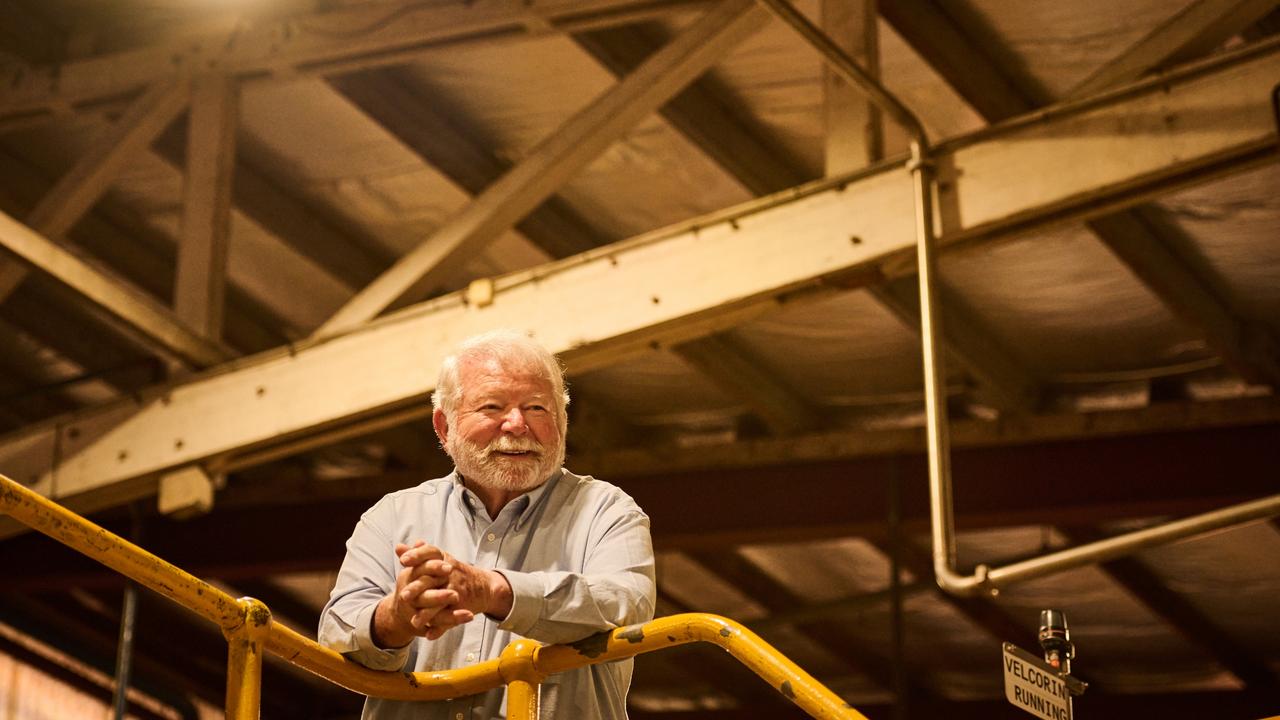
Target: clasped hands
(435, 593)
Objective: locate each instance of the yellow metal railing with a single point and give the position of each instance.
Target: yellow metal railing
(523, 665)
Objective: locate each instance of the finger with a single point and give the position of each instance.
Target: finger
(443, 619)
(447, 620)
(451, 617)
(431, 568)
(420, 553)
(430, 599)
(416, 586)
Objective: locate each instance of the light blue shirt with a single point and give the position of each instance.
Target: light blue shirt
(579, 558)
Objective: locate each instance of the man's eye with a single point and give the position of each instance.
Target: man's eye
(537, 408)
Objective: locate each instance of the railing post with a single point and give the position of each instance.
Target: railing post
(516, 665)
(245, 644)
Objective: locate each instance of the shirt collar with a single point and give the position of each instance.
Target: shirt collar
(521, 506)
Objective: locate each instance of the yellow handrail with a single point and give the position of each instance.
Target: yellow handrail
(523, 665)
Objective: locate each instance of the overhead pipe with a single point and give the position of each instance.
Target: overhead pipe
(937, 431)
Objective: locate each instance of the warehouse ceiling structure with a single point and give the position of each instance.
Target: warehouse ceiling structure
(238, 236)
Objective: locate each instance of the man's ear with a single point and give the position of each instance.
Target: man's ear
(441, 424)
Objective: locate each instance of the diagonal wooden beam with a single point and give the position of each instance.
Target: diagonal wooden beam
(117, 298)
(1195, 31)
(708, 274)
(388, 98)
(118, 236)
(200, 288)
(966, 64)
(553, 161)
(1190, 622)
(704, 113)
(1003, 379)
(1157, 251)
(726, 363)
(77, 190)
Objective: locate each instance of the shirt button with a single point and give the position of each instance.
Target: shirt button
(471, 657)
(491, 537)
(458, 716)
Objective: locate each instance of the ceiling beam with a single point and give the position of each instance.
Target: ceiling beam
(115, 297)
(969, 433)
(554, 226)
(1003, 380)
(728, 365)
(546, 167)
(997, 94)
(289, 522)
(1146, 587)
(1150, 248)
(854, 125)
(200, 288)
(397, 104)
(119, 237)
(966, 64)
(86, 182)
(309, 228)
(1193, 32)
(703, 112)
(309, 44)
(688, 282)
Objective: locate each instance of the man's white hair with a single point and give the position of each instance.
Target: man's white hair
(513, 351)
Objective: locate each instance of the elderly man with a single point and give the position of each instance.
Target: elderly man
(446, 574)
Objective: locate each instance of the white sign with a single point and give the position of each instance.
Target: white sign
(1035, 686)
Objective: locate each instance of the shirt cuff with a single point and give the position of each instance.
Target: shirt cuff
(526, 602)
(367, 652)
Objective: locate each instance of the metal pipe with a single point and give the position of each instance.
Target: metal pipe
(128, 620)
(1103, 550)
(124, 651)
(937, 427)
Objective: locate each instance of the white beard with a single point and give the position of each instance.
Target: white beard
(488, 467)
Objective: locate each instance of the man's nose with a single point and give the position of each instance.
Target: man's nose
(513, 422)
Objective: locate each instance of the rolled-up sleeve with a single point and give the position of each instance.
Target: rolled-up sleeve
(367, 575)
(615, 587)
